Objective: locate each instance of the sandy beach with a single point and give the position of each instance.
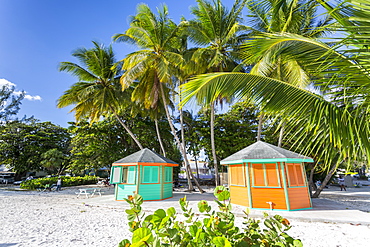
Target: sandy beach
(30, 218)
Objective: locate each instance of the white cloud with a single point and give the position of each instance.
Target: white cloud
(32, 98)
(18, 92)
(5, 82)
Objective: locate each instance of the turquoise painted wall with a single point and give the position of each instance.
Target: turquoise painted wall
(150, 191)
(167, 190)
(124, 190)
(153, 183)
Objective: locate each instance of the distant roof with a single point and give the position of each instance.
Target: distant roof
(145, 156)
(264, 151)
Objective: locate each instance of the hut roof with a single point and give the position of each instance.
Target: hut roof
(260, 151)
(145, 156)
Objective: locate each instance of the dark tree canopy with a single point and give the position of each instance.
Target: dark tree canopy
(99, 144)
(9, 102)
(22, 143)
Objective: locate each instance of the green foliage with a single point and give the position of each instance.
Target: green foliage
(22, 143)
(234, 130)
(97, 90)
(9, 104)
(99, 144)
(66, 182)
(54, 161)
(210, 228)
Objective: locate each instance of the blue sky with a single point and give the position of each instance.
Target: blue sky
(37, 35)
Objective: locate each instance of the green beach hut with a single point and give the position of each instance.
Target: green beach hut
(144, 172)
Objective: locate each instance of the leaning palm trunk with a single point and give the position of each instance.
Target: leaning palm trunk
(311, 184)
(196, 166)
(325, 182)
(182, 148)
(213, 142)
(127, 129)
(159, 137)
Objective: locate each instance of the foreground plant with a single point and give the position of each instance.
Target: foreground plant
(209, 228)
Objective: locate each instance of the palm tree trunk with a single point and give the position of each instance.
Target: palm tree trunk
(213, 142)
(324, 183)
(281, 134)
(196, 165)
(311, 184)
(259, 130)
(127, 129)
(182, 148)
(188, 168)
(182, 128)
(159, 137)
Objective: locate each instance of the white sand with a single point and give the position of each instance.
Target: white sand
(62, 219)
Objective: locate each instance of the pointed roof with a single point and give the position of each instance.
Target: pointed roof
(145, 156)
(264, 152)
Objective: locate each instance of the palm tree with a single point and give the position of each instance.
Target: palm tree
(155, 113)
(97, 92)
(217, 31)
(156, 62)
(276, 16)
(338, 131)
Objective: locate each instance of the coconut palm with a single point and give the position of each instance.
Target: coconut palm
(97, 93)
(276, 16)
(340, 128)
(154, 112)
(156, 62)
(217, 31)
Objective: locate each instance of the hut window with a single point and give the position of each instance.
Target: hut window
(131, 174)
(116, 175)
(123, 174)
(295, 175)
(150, 174)
(168, 174)
(272, 176)
(265, 175)
(259, 177)
(236, 174)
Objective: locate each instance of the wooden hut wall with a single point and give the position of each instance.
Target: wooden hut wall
(125, 179)
(238, 185)
(267, 185)
(283, 184)
(168, 181)
(124, 190)
(299, 197)
(150, 187)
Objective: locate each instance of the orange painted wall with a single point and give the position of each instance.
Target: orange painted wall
(299, 198)
(262, 195)
(239, 195)
(237, 175)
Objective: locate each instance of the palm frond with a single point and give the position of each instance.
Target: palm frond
(276, 96)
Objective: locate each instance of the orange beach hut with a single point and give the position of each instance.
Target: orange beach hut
(144, 172)
(264, 176)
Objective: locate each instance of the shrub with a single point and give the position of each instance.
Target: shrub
(66, 182)
(363, 177)
(210, 228)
